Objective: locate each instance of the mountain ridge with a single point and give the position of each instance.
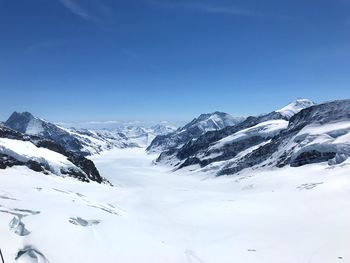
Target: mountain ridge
(192, 130)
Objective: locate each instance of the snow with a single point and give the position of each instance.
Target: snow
(315, 129)
(35, 126)
(294, 107)
(332, 137)
(264, 129)
(25, 151)
(151, 215)
(96, 141)
(143, 136)
(215, 121)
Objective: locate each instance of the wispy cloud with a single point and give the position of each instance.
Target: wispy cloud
(76, 9)
(214, 9)
(92, 10)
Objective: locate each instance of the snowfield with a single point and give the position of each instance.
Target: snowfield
(288, 215)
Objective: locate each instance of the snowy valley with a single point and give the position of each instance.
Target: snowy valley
(268, 188)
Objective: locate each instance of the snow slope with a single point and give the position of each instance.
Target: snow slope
(332, 137)
(263, 129)
(25, 151)
(295, 107)
(289, 215)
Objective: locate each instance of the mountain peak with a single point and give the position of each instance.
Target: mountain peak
(20, 121)
(25, 114)
(295, 106)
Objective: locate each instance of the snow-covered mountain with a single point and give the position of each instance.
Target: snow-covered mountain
(318, 133)
(26, 123)
(84, 142)
(192, 130)
(294, 107)
(143, 136)
(42, 155)
(96, 141)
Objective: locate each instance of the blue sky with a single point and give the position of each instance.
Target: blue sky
(81, 60)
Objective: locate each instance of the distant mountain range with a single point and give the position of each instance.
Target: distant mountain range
(143, 136)
(298, 134)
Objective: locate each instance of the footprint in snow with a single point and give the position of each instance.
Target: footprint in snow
(83, 222)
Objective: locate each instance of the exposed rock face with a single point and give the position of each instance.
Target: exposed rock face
(192, 130)
(312, 156)
(10, 133)
(8, 161)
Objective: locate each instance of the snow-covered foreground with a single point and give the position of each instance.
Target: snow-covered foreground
(151, 215)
